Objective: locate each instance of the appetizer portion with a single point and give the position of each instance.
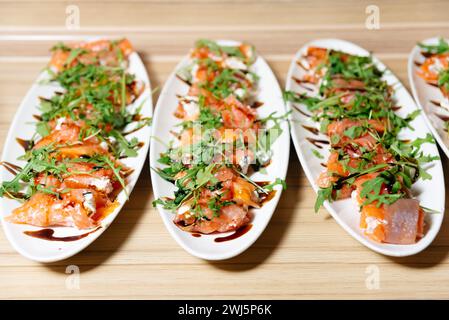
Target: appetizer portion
(354, 106)
(73, 174)
(435, 68)
(220, 143)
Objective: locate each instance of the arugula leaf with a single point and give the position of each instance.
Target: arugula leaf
(278, 181)
(317, 154)
(323, 195)
(440, 48)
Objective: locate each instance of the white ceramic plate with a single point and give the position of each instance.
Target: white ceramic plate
(430, 193)
(270, 94)
(424, 94)
(23, 127)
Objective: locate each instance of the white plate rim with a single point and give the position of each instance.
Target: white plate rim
(154, 176)
(380, 248)
(148, 100)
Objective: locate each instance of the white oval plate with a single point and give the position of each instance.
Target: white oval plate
(430, 193)
(270, 94)
(23, 127)
(424, 93)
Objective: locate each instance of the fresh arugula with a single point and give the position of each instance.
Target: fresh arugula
(352, 87)
(193, 167)
(440, 48)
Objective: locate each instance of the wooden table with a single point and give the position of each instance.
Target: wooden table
(301, 254)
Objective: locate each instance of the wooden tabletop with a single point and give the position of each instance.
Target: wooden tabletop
(301, 254)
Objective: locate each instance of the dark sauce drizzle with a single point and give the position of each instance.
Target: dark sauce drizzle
(299, 63)
(11, 167)
(267, 197)
(317, 142)
(437, 103)
(47, 234)
(300, 111)
(26, 144)
(237, 234)
(426, 54)
(299, 81)
(257, 104)
(444, 118)
(184, 80)
(315, 131)
(302, 82)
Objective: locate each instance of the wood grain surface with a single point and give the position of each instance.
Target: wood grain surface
(301, 254)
